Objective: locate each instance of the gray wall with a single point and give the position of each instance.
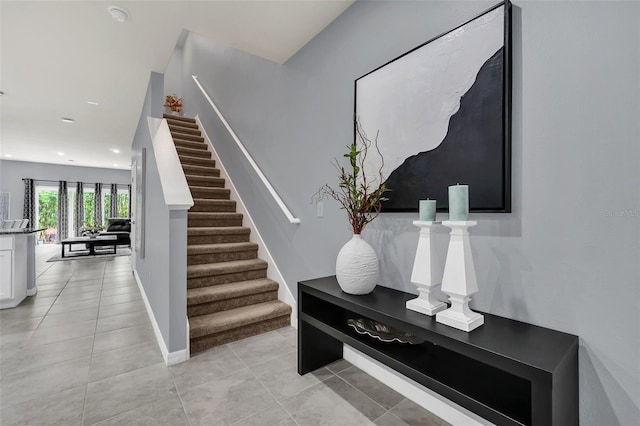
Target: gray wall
(173, 74)
(568, 256)
(12, 173)
(164, 284)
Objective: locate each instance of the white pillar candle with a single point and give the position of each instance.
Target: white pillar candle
(459, 202)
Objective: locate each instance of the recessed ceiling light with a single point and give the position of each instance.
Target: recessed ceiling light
(61, 153)
(115, 165)
(115, 151)
(118, 13)
(8, 155)
(68, 120)
(92, 103)
(71, 160)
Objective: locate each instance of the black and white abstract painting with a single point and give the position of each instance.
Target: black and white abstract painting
(442, 111)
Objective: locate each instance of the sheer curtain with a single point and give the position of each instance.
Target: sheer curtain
(113, 208)
(63, 212)
(79, 209)
(29, 208)
(97, 205)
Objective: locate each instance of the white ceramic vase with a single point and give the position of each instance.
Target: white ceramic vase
(357, 267)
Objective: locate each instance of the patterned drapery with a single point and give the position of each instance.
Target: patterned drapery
(79, 209)
(97, 205)
(113, 208)
(63, 212)
(29, 208)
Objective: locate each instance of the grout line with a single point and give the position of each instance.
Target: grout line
(368, 397)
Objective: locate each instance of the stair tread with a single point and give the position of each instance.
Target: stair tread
(208, 178)
(206, 269)
(229, 291)
(192, 158)
(209, 188)
(181, 123)
(179, 118)
(217, 230)
(184, 130)
(215, 215)
(220, 247)
(203, 325)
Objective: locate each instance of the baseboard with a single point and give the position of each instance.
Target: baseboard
(170, 358)
(32, 291)
(437, 404)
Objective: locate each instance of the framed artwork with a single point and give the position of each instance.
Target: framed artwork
(443, 113)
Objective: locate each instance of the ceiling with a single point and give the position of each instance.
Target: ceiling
(56, 56)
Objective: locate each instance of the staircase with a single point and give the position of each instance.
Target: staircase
(229, 296)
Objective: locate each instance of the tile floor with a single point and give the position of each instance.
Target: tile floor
(83, 352)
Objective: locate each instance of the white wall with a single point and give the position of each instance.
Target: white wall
(568, 256)
(12, 173)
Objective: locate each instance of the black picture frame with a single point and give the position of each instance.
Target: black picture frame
(469, 153)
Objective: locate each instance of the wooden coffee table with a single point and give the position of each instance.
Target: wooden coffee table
(90, 244)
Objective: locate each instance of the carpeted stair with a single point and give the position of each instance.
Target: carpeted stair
(229, 296)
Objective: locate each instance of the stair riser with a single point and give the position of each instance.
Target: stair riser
(226, 278)
(184, 130)
(236, 302)
(203, 206)
(181, 124)
(196, 170)
(190, 145)
(179, 118)
(187, 160)
(199, 259)
(200, 153)
(218, 239)
(202, 343)
(210, 183)
(183, 136)
(199, 223)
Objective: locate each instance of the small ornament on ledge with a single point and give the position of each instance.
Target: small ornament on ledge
(174, 103)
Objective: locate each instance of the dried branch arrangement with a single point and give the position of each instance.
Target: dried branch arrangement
(357, 194)
(173, 102)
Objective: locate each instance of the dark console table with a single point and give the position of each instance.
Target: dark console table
(506, 371)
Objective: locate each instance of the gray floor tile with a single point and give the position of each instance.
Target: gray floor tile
(122, 321)
(125, 392)
(257, 349)
(40, 383)
(14, 341)
(81, 289)
(280, 376)
(225, 401)
(60, 307)
(414, 415)
(60, 408)
(63, 318)
(123, 337)
(212, 364)
(379, 392)
(38, 300)
(120, 298)
(18, 325)
(121, 308)
(122, 360)
(272, 416)
(50, 293)
(34, 357)
(339, 366)
(164, 412)
(388, 420)
(118, 273)
(77, 297)
(119, 284)
(332, 402)
(289, 333)
(116, 291)
(54, 286)
(21, 312)
(84, 283)
(59, 333)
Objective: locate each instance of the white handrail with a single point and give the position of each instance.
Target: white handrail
(250, 159)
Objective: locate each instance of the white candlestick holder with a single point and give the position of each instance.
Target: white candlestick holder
(426, 274)
(459, 279)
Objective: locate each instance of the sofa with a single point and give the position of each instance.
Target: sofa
(121, 228)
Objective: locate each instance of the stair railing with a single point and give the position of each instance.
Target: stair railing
(265, 181)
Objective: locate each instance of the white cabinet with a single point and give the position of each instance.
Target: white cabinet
(13, 269)
(6, 274)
